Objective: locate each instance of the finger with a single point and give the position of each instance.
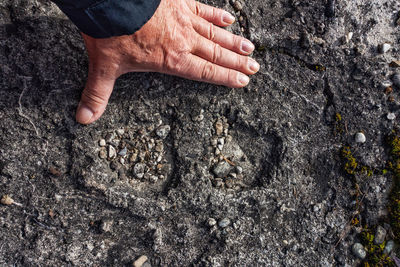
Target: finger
(94, 98)
(214, 15)
(214, 53)
(222, 37)
(195, 68)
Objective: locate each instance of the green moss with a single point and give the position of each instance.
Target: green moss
(375, 255)
(350, 165)
(394, 203)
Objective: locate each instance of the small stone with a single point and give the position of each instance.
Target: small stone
(222, 169)
(102, 142)
(384, 48)
(360, 138)
(221, 141)
(153, 179)
(212, 222)
(122, 160)
(219, 128)
(380, 235)
(133, 157)
(396, 79)
(217, 151)
(103, 153)
(6, 200)
(123, 152)
(163, 131)
(389, 247)
(224, 223)
(233, 175)
(359, 251)
(237, 6)
(106, 226)
(391, 116)
(386, 84)
(139, 169)
(140, 261)
(239, 169)
(111, 152)
(220, 147)
(228, 139)
(388, 90)
(159, 146)
(120, 132)
(348, 37)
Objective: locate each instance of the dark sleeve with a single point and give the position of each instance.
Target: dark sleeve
(107, 18)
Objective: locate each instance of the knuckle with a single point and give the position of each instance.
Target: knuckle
(197, 9)
(174, 61)
(208, 71)
(216, 53)
(211, 32)
(91, 96)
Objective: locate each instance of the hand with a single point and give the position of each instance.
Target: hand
(180, 39)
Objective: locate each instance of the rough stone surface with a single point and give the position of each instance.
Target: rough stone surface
(380, 235)
(284, 128)
(359, 251)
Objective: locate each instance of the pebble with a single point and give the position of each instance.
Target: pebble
(239, 169)
(224, 223)
(123, 152)
(391, 116)
(120, 131)
(360, 138)
(389, 247)
(103, 153)
(159, 146)
(140, 261)
(6, 200)
(359, 251)
(163, 131)
(217, 151)
(222, 169)
(221, 141)
(122, 160)
(380, 235)
(220, 147)
(214, 141)
(237, 6)
(111, 152)
(396, 79)
(110, 137)
(219, 128)
(348, 37)
(102, 142)
(212, 222)
(395, 64)
(138, 170)
(386, 84)
(106, 226)
(385, 48)
(233, 175)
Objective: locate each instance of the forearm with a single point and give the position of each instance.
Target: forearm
(107, 18)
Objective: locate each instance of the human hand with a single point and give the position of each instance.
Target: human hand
(182, 39)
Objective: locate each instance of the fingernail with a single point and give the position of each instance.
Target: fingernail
(228, 18)
(84, 114)
(247, 46)
(253, 65)
(243, 79)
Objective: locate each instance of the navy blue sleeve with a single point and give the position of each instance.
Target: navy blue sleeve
(107, 18)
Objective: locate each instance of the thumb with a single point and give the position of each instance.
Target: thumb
(94, 98)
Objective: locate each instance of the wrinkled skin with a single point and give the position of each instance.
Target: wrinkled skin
(182, 38)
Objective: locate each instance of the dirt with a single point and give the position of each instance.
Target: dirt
(291, 205)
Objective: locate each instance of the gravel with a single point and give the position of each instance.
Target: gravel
(359, 251)
(224, 223)
(380, 235)
(222, 169)
(360, 138)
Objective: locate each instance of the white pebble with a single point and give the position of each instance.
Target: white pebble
(140, 261)
(120, 131)
(348, 37)
(391, 116)
(102, 142)
(212, 222)
(360, 138)
(385, 48)
(111, 152)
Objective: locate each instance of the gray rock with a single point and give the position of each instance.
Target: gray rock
(123, 152)
(389, 247)
(239, 169)
(224, 223)
(359, 251)
(103, 153)
(380, 235)
(222, 169)
(163, 131)
(360, 138)
(237, 6)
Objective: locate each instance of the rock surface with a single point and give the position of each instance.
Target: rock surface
(292, 200)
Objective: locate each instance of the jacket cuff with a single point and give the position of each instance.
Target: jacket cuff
(108, 18)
